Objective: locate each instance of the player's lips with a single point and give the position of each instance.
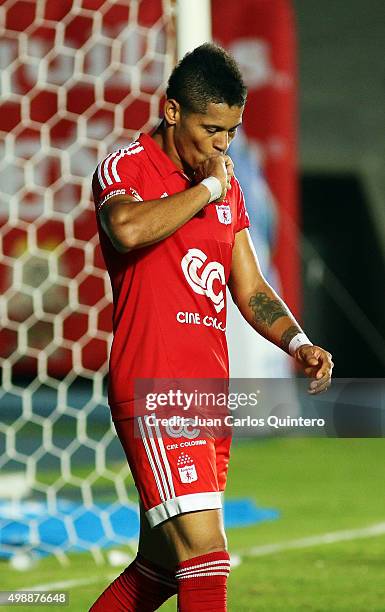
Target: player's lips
(208, 156)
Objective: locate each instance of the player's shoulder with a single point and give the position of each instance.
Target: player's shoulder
(126, 160)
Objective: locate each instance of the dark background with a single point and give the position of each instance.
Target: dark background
(342, 152)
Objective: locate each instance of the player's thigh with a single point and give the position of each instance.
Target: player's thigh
(182, 537)
(179, 489)
(195, 533)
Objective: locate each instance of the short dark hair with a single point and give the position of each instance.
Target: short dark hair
(206, 74)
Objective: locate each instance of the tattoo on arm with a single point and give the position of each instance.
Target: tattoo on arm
(288, 335)
(266, 310)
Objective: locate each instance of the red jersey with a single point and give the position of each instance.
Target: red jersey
(169, 316)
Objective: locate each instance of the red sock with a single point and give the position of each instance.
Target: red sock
(202, 583)
(142, 587)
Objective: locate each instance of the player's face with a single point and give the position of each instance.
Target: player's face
(199, 136)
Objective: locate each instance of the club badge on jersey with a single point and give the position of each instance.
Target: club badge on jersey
(224, 213)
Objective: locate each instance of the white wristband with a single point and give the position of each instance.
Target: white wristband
(298, 340)
(214, 186)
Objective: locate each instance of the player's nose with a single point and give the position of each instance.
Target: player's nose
(221, 142)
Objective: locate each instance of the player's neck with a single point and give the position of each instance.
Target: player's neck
(164, 137)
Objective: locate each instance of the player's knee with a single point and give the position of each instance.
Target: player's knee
(195, 534)
(205, 549)
(202, 546)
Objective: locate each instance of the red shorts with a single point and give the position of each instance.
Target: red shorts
(176, 469)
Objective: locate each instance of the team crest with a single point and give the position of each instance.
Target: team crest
(186, 467)
(224, 213)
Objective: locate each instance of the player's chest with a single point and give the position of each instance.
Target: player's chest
(214, 222)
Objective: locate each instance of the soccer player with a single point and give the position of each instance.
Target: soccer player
(173, 230)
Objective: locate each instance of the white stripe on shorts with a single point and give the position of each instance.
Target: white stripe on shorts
(209, 500)
(165, 460)
(158, 460)
(150, 459)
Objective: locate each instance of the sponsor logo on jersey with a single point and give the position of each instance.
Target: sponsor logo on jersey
(202, 278)
(224, 213)
(187, 443)
(186, 468)
(195, 318)
(183, 431)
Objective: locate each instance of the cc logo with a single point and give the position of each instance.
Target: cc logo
(183, 431)
(202, 282)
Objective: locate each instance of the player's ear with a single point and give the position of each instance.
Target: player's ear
(172, 111)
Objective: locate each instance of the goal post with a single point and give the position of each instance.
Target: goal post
(189, 36)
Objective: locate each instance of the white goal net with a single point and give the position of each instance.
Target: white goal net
(78, 79)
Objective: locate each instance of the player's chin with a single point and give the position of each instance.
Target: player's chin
(200, 158)
(203, 155)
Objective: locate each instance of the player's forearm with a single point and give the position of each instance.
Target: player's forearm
(138, 225)
(269, 315)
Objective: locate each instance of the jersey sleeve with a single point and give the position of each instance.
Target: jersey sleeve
(118, 174)
(243, 220)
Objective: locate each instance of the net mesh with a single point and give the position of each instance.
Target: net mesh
(78, 79)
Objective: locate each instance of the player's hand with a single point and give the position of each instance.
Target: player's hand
(219, 166)
(317, 364)
(229, 169)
